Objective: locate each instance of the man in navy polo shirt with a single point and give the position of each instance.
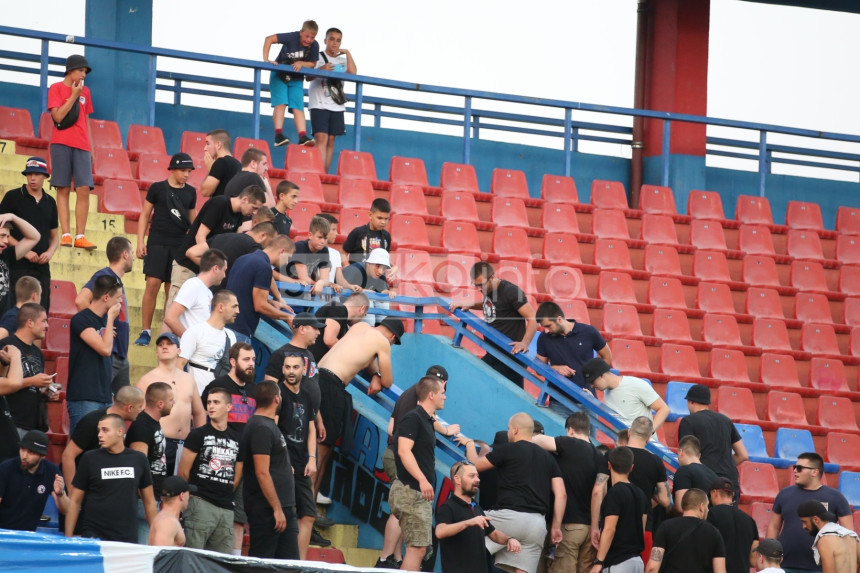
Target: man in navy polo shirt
(26, 482)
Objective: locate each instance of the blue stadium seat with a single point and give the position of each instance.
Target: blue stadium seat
(849, 485)
(676, 393)
(754, 442)
(790, 443)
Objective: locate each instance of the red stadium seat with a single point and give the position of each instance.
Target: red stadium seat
(808, 276)
(511, 243)
(461, 237)
(407, 171)
(243, 144)
(456, 270)
(836, 413)
(520, 273)
(304, 159)
(671, 326)
(758, 482)
(612, 254)
(310, 189)
(509, 212)
(764, 303)
(559, 217)
(61, 367)
(802, 215)
(616, 287)
(16, 123)
(355, 193)
(755, 240)
(679, 360)
(658, 230)
(621, 320)
(657, 200)
(46, 126)
(121, 198)
(662, 260)
(414, 266)
(111, 164)
(304, 212)
(848, 220)
(558, 189)
(561, 248)
(63, 296)
(827, 374)
(849, 280)
(786, 408)
(714, 297)
(819, 339)
(563, 282)
(811, 307)
(509, 183)
(325, 554)
(851, 311)
(356, 165)
(666, 292)
(721, 330)
(728, 365)
(753, 210)
(609, 224)
(848, 249)
(778, 370)
(57, 337)
(608, 195)
(408, 200)
(145, 139)
(152, 167)
(459, 206)
(105, 133)
(771, 334)
(458, 177)
(629, 355)
(737, 403)
(711, 266)
(760, 270)
(854, 342)
(842, 449)
(804, 245)
(706, 234)
(761, 513)
(192, 143)
(410, 232)
(574, 310)
(705, 205)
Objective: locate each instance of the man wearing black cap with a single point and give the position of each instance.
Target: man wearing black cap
(722, 448)
(31, 203)
(767, 556)
(836, 549)
(739, 530)
(172, 203)
(166, 530)
(27, 481)
(70, 104)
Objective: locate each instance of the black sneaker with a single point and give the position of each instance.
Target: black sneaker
(318, 539)
(323, 521)
(305, 140)
(281, 139)
(387, 563)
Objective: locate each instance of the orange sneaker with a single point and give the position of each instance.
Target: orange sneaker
(83, 243)
(66, 241)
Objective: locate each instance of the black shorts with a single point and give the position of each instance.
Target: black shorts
(335, 401)
(328, 122)
(306, 503)
(158, 262)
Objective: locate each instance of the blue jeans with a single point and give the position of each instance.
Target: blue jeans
(80, 408)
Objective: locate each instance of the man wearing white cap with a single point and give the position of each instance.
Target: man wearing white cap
(370, 276)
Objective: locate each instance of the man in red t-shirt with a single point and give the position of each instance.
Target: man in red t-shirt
(71, 157)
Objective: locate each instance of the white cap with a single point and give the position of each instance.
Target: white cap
(379, 257)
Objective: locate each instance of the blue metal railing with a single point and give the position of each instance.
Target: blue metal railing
(471, 118)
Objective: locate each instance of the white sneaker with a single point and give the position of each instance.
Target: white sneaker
(323, 500)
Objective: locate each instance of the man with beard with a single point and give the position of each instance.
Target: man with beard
(835, 548)
(461, 525)
(203, 345)
(146, 436)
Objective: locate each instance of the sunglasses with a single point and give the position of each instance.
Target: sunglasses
(800, 468)
(455, 469)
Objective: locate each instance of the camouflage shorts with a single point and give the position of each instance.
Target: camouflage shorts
(414, 512)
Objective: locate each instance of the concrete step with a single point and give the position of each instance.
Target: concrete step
(359, 556)
(342, 535)
(7, 149)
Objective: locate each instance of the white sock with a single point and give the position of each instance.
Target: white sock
(237, 552)
(81, 236)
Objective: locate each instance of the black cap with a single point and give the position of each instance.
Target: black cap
(35, 165)
(76, 62)
(395, 325)
(770, 548)
(36, 442)
(699, 393)
(814, 508)
(594, 369)
(181, 161)
(723, 484)
(437, 371)
(307, 319)
(169, 336)
(174, 485)
(539, 429)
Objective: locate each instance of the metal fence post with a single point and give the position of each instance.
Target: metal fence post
(762, 162)
(43, 75)
(255, 110)
(467, 132)
(567, 140)
(359, 97)
(153, 71)
(667, 140)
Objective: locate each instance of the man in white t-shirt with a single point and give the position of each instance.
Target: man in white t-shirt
(203, 344)
(192, 304)
(631, 397)
(327, 116)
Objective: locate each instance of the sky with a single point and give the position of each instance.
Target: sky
(770, 64)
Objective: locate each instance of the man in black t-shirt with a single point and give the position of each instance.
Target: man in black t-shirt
(338, 317)
(722, 447)
(286, 198)
(10, 254)
(691, 471)
(210, 461)
(11, 382)
(310, 264)
(648, 473)
(173, 205)
(110, 478)
(221, 165)
(271, 518)
(530, 487)
(584, 471)
(236, 245)
(688, 544)
(623, 513)
(255, 167)
(739, 530)
(365, 238)
(506, 309)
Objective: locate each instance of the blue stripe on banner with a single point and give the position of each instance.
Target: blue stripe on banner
(27, 551)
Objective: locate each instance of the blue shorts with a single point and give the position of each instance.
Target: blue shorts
(290, 94)
(70, 163)
(328, 122)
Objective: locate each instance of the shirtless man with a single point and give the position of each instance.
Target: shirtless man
(836, 548)
(187, 410)
(166, 530)
(362, 347)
